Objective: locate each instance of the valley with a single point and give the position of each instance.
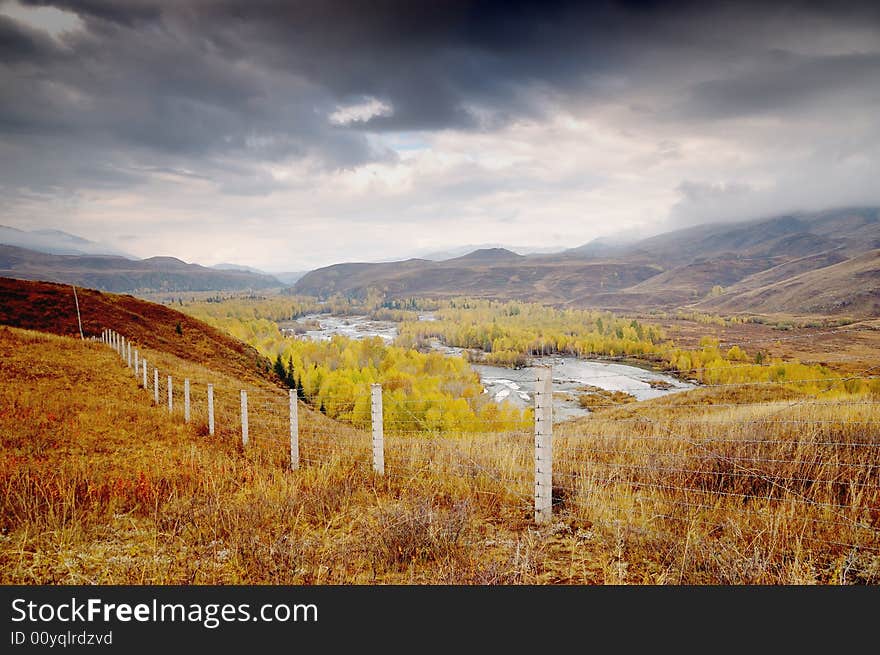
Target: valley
(104, 485)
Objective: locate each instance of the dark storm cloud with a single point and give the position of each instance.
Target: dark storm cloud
(18, 45)
(197, 84)
(788, 83)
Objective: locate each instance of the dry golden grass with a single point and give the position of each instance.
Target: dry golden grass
(99, 486)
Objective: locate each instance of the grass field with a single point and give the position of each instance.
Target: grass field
(736, 486)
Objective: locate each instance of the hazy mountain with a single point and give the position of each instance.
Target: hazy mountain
(55, 242)
(288, 277)
(458, 251)
(237, 267)
(119, 274)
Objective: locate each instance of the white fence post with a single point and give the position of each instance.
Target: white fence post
(170, 408)
(378, 434)
(211, 409)
(544, 445)
(144, 367)
(244, 418)
(294, 430)
(156, 385)
(186, 400)
(128, 353)
(137, 368)
(122, 348)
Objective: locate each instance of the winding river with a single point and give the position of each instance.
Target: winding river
(570, 374)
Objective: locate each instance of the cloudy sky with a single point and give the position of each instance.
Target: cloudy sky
(290, 135)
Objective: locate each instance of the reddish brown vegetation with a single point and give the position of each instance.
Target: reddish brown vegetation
(50, 307)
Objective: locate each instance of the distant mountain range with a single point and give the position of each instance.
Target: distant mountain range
(55, 242)
(123, 275)
(805, 263)
(824, 263)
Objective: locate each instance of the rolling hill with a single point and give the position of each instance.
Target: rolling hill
(704, 266)
(122, 275)
(850, 287)
(485, 273)
(50, 307)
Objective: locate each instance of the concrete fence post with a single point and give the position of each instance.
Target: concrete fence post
(121, 348)
(137, 368)
(186, 400)
(544, 445)
(294, 430)
(144, 369)
(170, 398)
(128, 353)
(156, 385)
(211, 409)
(378, 433)
(244, 418)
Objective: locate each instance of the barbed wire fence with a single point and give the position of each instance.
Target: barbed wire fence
(770, 476)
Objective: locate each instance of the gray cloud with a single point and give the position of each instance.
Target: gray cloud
(791, 84)
(217, 93)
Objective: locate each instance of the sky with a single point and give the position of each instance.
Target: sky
(292, 135)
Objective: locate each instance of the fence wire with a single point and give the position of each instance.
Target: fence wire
(746, 469)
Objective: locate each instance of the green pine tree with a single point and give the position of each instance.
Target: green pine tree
(290, 378)
(279, 368)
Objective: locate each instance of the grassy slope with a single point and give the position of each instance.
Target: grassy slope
(51, 308)
(851, 287)
(98, 486)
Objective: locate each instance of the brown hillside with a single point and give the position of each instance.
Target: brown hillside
(661, 272)
(851, 287)
(50, 307)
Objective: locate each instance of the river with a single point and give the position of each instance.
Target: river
(570, 374)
